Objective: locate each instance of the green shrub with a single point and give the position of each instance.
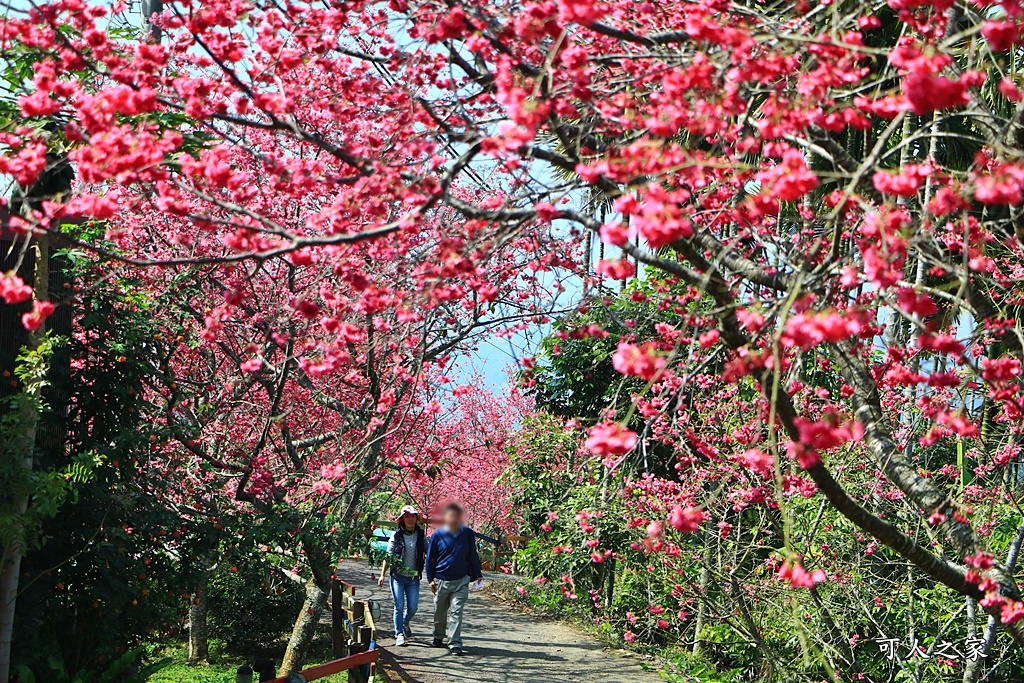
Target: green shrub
(128, 668)
(251, 606)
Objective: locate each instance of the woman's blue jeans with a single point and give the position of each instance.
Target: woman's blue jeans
(406, 592)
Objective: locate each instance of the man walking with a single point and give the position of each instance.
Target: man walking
(452, 564)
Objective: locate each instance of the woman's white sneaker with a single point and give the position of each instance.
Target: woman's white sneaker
(400, 639)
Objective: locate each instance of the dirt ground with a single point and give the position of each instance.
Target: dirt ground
(502, 646)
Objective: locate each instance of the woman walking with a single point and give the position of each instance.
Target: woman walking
(405, 556)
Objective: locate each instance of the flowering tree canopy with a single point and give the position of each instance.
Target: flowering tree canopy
(340, 194)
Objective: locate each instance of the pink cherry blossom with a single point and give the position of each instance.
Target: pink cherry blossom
(638, 361)
(40, 311)
(610, 439)
(14, 290)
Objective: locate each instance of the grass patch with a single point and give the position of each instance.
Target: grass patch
(179, 671)
(182, 672)
(220, 669)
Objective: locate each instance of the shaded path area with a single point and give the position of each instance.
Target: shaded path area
(502, 646)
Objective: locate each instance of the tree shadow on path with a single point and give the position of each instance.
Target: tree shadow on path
(501, 646)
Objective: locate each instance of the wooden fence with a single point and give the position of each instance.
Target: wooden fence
(353, 637)
(502, 553)
(353, 627)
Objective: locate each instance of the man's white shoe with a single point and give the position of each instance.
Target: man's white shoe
(400, 639)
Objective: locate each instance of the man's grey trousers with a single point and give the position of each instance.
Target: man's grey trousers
(449, 600)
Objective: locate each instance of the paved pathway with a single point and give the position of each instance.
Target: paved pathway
(502, 646)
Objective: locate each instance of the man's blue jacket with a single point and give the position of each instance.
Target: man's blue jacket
(453, 556)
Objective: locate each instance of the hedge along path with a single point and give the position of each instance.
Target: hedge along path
(502, 646)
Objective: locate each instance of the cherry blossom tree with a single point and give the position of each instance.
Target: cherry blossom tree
(297, 396)
(838, 182)
(462, 455)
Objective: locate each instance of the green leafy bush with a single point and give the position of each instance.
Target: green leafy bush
(128, 668)
(251, 605)
(106, 550)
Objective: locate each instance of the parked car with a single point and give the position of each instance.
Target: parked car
(379, 544)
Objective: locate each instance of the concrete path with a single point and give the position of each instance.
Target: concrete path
(502, 646)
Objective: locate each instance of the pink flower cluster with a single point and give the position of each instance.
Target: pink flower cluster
(41, 310)
(14, 290)
(807, 330)
(797, 576)
(642, 361)
(610, 439)
(790, 179)
(657, 216)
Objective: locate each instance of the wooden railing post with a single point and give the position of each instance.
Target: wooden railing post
(266, 668)
(359, 674)
(338, 635)
(358, 611)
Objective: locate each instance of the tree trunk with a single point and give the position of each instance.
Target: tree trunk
(973, 667)
(8, 593)
(198, 628)
(147, 9)
(305, 628)
(28, 426)
(705, 584)
(609, 583)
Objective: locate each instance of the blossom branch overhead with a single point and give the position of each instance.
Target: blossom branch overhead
(348, 195)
